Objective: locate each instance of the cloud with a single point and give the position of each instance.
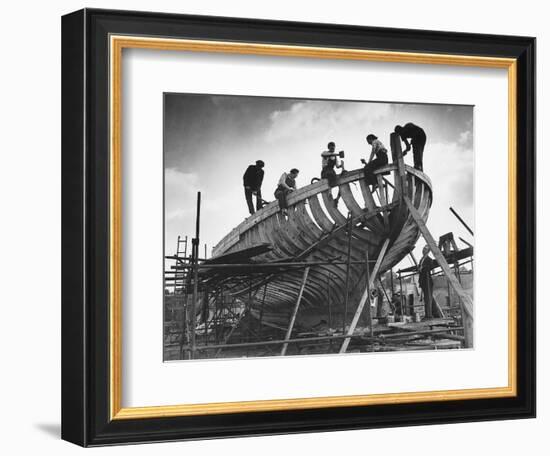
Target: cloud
(180, 189)
(465, 138)
(313, 118)
(180, 208)
(451, 168)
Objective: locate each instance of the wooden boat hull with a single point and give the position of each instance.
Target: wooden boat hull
(317, 229)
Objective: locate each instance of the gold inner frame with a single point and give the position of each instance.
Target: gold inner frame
(117, 44)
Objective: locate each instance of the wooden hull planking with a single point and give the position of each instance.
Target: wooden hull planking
(316, 229)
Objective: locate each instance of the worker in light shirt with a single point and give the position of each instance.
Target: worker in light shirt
(286, 185)
(378, 158)
(329, 163)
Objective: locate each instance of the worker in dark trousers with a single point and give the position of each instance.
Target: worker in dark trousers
(378, 158)
(417, 138)
(252, 181)
(426, 283)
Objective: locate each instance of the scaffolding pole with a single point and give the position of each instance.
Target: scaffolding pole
(348, 267)
(295, 312)
(461, 221)
(195, 256)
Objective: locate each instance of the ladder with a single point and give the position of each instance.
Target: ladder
(180, 276)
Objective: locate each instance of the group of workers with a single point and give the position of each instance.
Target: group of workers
(412, 136)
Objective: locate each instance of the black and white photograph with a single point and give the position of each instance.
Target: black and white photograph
(274, 228)
(316, 227)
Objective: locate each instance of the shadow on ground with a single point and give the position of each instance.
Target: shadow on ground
(52, 429)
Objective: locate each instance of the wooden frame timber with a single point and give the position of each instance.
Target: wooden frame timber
(92, 46)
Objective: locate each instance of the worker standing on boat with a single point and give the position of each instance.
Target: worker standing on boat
(252, 181)
(286, 185)
(329, 163)
(426, 283)
(417, 138)
(381, 153)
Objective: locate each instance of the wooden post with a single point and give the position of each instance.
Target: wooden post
(465, 300)
(261, 313)
(382, 198)
(328, 301)
(365, 297)
(329, 308)
(295, 312)
(217, 316)
(410, 305)
(400, 177)
(346, 297)
(248, 308)
(194, 303)
(401, 294)
(385, 294)
(195, 255)
(461, 221)
(184, 329)
(369, 313)
(206, 313)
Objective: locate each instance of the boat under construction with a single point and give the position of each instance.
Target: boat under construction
(311, 279)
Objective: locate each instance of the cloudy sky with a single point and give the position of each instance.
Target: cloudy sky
(211, 139)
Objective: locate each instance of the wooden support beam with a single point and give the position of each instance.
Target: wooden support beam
(383, 199)
(346, 296)
(466, 242)
(414, 275)
(461, 221)
(264, 343)
(365, 296)
(295, 312)
(400, 175)
(262, 312)
(425, 332)
(286, 264)
(465, 300)
(439, 309)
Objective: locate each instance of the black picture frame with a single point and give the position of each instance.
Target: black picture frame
(85, 225)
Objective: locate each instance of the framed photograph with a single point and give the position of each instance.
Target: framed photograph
(279, 227)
